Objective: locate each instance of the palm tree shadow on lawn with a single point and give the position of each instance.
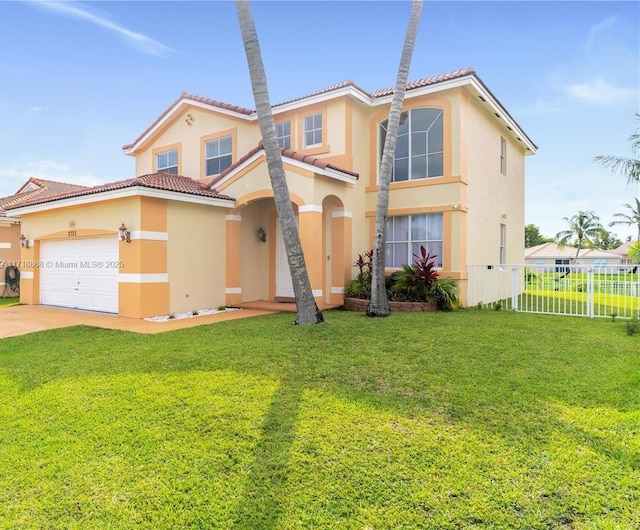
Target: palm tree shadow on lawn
(260, 505)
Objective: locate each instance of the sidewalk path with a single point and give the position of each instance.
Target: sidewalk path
(23, 319)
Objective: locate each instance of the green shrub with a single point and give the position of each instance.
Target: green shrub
(633, 326)
(419, 282)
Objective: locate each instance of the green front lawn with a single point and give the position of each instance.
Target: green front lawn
(474, 419)
(8, 302)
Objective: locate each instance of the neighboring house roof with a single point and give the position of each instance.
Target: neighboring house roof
(552, 250)
(159, 181)
(463, 77)
(623, 250)
(286, 153)
(36, 189)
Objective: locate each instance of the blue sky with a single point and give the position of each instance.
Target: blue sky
(78, 80)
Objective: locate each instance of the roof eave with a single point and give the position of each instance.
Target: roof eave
(129, 191)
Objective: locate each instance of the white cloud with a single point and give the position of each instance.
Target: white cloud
(600, 92)
(140, 42)
(595, 32)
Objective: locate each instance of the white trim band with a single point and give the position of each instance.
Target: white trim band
(5, 245)
(342, 213)
(233, 218)
(337, 290)
(131, 277)
(149, 236)
(316, 292)
(26, 275)
(310, 208)
(233, 290)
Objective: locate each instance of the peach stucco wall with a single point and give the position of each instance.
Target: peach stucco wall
(493, 198)
(195, 256)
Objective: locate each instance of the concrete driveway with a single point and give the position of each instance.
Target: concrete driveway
(23, 319)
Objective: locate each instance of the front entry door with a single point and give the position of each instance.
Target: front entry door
(284, 284)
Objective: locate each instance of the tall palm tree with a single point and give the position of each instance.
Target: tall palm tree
(584, 227)
(629, 167)
(308, 312)
(631, 219)
(379, 305)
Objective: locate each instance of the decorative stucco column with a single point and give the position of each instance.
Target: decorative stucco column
(340, 254)
(233, 292)
(312, 239)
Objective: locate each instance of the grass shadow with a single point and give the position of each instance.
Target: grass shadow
(261, 505)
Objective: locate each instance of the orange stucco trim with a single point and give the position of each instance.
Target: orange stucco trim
(424, 101)
(434, 181)
(220, 134)
(163, 149)
(233, 260)
(77, 233)
(311, 237)
(143, 256)
(415, 210)
(262, 194)
(153, 214)
(141, 300)
(340, 256)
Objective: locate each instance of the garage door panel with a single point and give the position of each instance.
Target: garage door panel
(80, 274)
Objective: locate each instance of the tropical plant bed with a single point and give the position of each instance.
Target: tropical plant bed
(359, 304)
(412, 288)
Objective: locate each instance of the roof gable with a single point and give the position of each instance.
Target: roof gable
(34, 189)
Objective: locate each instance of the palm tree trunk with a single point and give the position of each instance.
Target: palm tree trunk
(308, 312)
(379, 305)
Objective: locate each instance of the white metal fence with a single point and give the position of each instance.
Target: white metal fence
(589, 291)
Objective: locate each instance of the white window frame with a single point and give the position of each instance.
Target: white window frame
(219, 155)
(427, 243)
(167, 168)
(283, 138)
(315, 129)
(503, 244)
(503, 156)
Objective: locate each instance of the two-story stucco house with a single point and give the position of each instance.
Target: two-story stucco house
(199, 222)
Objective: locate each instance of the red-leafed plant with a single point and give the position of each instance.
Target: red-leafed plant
(419, 282)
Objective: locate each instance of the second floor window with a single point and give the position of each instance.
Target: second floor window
(503, 156)
(313, 130)
(503, 244)
(218, 155)
(167, 162)
(283, 134)
(420, 148)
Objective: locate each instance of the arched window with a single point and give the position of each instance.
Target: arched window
(419, 151)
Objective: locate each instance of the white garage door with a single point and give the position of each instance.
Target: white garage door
(80, 274)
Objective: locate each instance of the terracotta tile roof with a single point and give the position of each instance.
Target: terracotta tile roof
(161, 181)
(425, 81)
(330, 88)
(337, 86)
(287, 153)
(46, 188)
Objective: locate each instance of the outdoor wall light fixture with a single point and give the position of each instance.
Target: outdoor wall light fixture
(125, 235)
(24, 242)
(262, 235)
